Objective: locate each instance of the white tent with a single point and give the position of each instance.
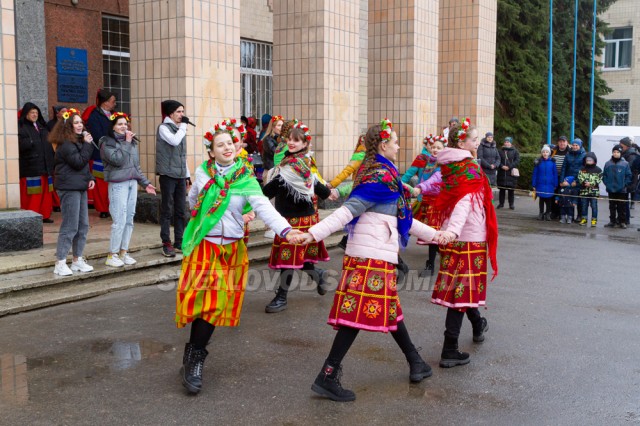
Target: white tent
(604, 138)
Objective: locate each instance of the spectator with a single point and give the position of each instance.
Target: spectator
(270, 142)
(251, 138)
(452, 121)
(57, 110)
(558, 153)
(509, 160)
(572, 165)
(617, 178)
(566, 199)
(489, 158)
(630, 154)
(589, 178)
(545, 178)
(35, 163)
(73, 147)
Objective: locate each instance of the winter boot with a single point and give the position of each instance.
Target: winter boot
(451, 356)
(418, 369)
(610, 225)
(191, 371)
(319, 278)
(547, 217)
(279, 303)
(478, 332)
(343, 242)
(428, 270)
(563, 219)
(541, 216)
(328, 384)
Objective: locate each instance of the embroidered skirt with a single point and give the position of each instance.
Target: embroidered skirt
(367, 296)
(212, 284)
(462, 279)
(294, 256)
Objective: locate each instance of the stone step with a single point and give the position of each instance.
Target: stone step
(103, 280)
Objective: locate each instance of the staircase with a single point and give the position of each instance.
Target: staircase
(25, 285)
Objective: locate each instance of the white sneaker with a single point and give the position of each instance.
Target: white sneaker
(81, 266)
(62, 269)
(270, 234)
(114, 260)
(128, 260)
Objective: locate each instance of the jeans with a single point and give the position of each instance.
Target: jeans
(174, 193)
(585, 203)
(75, 223)
(122, 207)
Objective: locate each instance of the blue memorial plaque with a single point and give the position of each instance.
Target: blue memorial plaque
(71, 61)
(72, 88)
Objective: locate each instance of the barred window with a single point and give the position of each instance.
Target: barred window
(256, 78)
(116, 60)
(620, 108)
(617, 51)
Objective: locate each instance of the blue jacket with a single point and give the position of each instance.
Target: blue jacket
(572, 163)
(617, 176)
(545, 177)
(413, 170)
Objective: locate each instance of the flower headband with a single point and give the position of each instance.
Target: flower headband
(300, 125)
(70, 112)
(277, 118)
(461, 134)
(430, 140)
(117, 115)
(227, 125)
(387, 127)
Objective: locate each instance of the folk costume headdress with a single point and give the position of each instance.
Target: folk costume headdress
(116, 115)
(462, 178)
(227, 125)
(70, 112)
(295, 170)
(213, 199)
(378, 181)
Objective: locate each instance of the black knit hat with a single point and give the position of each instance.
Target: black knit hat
(170, 106)
(616, 148)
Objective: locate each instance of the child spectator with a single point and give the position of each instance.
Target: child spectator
(617, 178)
(545, 178)
(589, 178)
(566, 199)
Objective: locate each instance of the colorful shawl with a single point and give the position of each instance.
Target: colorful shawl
(380, 182)
(462, 178)
(297, 176)
(213, 200)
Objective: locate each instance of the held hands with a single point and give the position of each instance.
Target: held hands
(334, 195)
(248, 217)
(329, 185)
(293, 236)
(92, 184)
(305, 238)
(444, 237)
(150, 189)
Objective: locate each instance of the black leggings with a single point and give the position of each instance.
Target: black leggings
(433, 250)
(453, 323)
(347, 335)
(201, 332)
(545, 205)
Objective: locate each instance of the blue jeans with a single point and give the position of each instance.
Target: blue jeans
(585, 203)
(75, 223)
(122, 207)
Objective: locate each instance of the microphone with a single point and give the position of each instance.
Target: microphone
(186, 120)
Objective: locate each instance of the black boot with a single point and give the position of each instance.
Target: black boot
(317, 275)
(279, 303)
(191, 370)
(478, 332)
(541, 216)
(327, 384)
(428, 270)
(547, 217)
(343, 242)
(451, 356)
(418, 369)
(401, 266)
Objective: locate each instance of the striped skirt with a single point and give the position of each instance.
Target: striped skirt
(462, 279)
(212, 283)
(367, 297)
(293, 256)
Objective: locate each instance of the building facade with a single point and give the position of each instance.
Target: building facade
(337, 65)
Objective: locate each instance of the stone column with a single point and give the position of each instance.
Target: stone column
(467, 61)
(32, 55)
(9, 168)
(403, 69)
(315, 74)
(187, 50)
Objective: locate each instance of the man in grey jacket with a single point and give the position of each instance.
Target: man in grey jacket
(489, 157)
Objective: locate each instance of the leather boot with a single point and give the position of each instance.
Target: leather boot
(428, 270)
(418, 369)
(328, 384)
(478, 332)
(279, 303)
(191, 371)
(451, 356)
(317, 275)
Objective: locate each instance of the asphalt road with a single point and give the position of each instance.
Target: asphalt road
(562, 349)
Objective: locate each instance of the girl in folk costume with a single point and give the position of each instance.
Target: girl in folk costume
(378, 217)
(466, 213)
(214, 268)
(426, 191)
(293, 185)
(282, 148)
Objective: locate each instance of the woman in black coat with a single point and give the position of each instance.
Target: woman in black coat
(36, 163)
(509, 160)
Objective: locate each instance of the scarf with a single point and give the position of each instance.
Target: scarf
(359, 153)
(458, 180)
(297, 176)
(380, 182)
(214, 198)
(280, 152)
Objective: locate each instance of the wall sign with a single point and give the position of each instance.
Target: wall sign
(73, 71)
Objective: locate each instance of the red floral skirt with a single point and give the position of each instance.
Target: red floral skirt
(293, 256)
(367, 297)
(462, 279)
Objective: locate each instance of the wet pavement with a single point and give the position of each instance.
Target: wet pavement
(561, 349)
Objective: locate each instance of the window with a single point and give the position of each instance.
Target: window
(617, 51)
(116, 60)
(256, 78)
(620, 108)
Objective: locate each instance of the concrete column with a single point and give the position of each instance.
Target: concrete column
(403, 69)
(9, 167)
(315, 74)
(32, 55)
(187, 50)
(467, 61)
